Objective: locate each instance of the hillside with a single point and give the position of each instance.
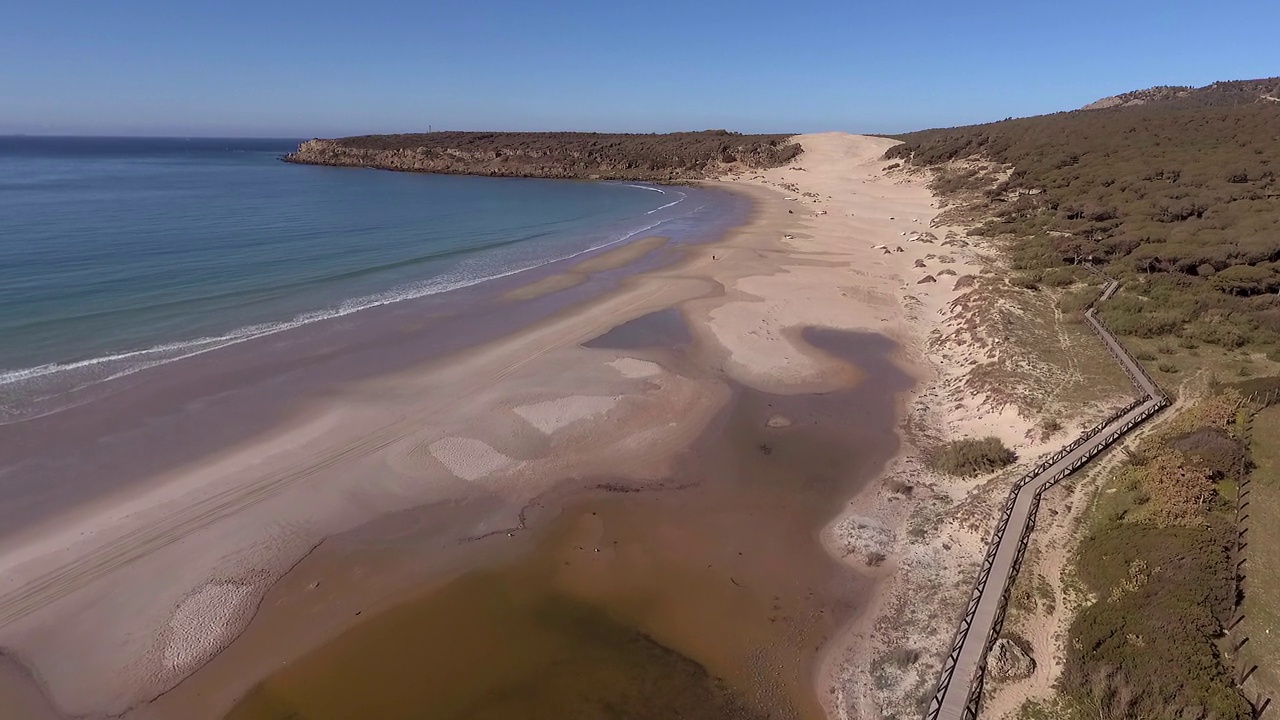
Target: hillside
(1236, 92)
(1179, 193)
(1173, 190)
(670, 157)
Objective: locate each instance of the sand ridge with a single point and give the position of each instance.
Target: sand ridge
(869, 254)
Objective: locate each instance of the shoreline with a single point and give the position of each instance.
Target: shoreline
(305, 425)
(52, 384)
(687, 559)
(744, 297)
(264, 375)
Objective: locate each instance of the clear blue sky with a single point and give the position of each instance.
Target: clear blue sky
(322, 68)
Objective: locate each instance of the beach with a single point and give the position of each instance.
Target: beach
(601, 437)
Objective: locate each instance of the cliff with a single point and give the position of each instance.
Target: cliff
(670, 157)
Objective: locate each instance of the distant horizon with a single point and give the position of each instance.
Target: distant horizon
(88, 136)
(305, 136)
(299, 70)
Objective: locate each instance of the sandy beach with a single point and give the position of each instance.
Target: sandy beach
(150, 602)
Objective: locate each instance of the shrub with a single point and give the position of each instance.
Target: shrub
(1059, 277)
(1049, 427)
(1161, 572)
(1078, 300)
(1220, 331)
(1247, 280)
(660, 157)
(1217, 452)
(972, 456)
(1026, 280)
(1180, 189)
(1147, 646)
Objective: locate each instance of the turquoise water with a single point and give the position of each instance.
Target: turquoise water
(117, 254)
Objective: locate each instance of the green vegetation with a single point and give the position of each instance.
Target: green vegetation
(1176, 192)
(1178, 196)
(658, 157)
(1157, 564)
(972, 456)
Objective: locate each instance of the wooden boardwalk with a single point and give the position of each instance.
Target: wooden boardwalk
(959, 689)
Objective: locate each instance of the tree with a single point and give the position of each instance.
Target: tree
(1246, 280)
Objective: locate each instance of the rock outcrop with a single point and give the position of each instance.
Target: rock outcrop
(1009, 661)
(672, 157)
(1219, 94)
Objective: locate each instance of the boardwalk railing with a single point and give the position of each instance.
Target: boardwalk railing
(1151, 394)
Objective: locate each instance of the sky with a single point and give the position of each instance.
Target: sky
(324, 68)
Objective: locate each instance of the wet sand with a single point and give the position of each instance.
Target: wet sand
(141, 425)
(581, 272)
(708, 598)
(661, 328)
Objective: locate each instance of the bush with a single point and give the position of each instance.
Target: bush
(1059, 277)
(1077, 300)
(972, 457)
(1217, 452)
(1146, 647)
(1026, 280)
(1247, 280)
(1180, 189)
(1160, 570)
(1141, 323)
(619, 156)
(1221, 332)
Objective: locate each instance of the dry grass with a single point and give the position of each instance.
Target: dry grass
(1035, 356)
(1022, 350)
(1261, 570)
(1171, 363)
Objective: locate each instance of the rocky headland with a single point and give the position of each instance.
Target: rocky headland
(670, 157)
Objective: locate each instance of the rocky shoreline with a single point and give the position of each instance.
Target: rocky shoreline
(665, 158)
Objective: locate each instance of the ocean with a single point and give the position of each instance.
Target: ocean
(119, 254)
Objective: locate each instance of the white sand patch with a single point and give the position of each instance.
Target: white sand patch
(205, 622)
(552, 415)
(633, 368)
(468, 458)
